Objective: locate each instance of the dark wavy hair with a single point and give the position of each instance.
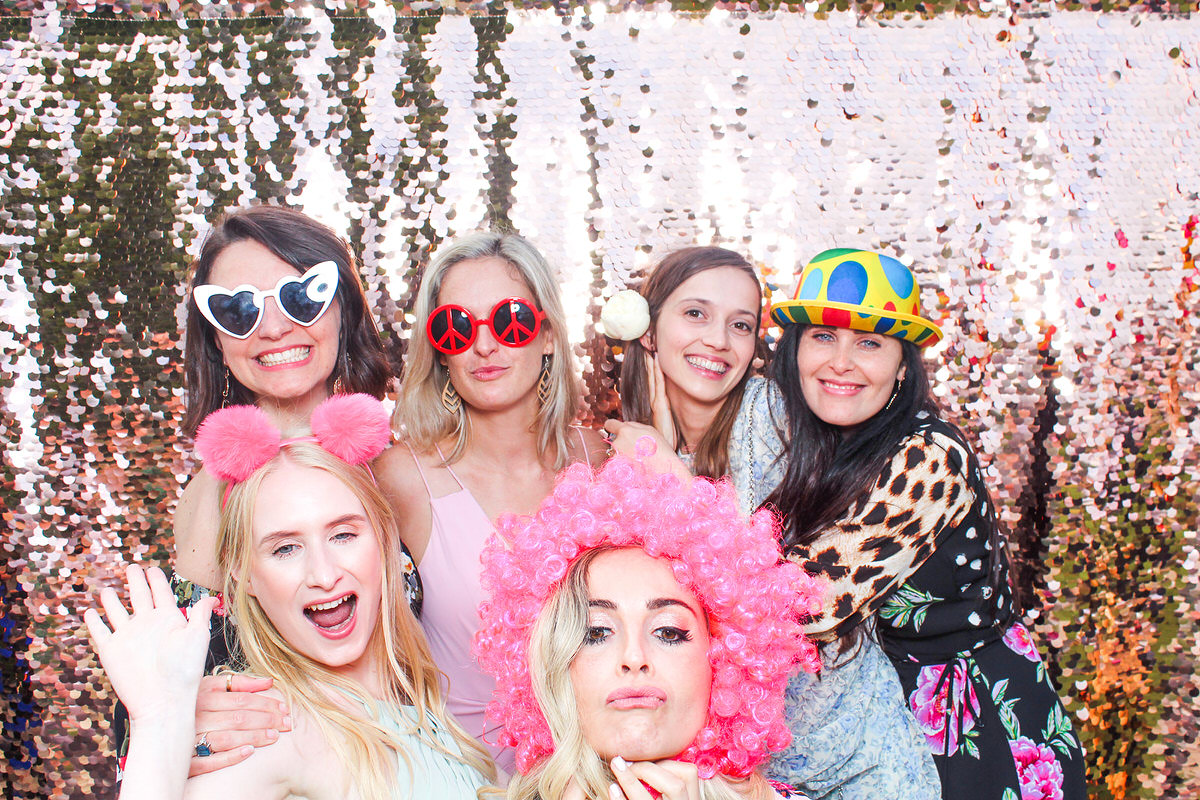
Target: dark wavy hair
(712, 452)
(830, 468)
(362, 364)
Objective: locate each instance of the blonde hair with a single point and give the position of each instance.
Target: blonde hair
(409, 676)
(420, 412)
(554, 641)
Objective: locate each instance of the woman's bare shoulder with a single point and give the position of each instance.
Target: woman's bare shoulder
(301, 764)
(195, 525)
(396, 471)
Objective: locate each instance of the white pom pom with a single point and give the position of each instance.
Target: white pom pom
(625, 316)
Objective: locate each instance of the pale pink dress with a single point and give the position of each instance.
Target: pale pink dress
(450, 571)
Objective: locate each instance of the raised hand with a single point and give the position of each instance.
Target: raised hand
(153, 657)
(660, 406)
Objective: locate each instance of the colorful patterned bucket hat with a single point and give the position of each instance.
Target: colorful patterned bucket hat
(860, 290)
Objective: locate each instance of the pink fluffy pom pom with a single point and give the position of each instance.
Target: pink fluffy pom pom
(354, 427)
(235, 441)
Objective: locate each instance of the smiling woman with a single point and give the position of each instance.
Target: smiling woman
(887, 501)
(311, 554)
(276, 317)
(683, 380)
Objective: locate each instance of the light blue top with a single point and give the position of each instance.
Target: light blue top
(427, 774)
(756, 456)
(853, 737)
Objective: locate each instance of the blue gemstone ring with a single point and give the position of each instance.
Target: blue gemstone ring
(202, 747)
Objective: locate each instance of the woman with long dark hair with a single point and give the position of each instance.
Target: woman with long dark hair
(686, 373)
(885, 499)
(277, 317)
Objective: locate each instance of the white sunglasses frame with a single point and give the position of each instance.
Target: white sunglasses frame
(201, 295)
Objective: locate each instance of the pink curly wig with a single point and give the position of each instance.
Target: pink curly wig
(754, 602)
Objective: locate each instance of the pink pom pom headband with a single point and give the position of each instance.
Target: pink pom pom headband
(235, 442)
(730, 562)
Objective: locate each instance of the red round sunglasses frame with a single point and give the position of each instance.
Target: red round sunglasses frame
(515, 331)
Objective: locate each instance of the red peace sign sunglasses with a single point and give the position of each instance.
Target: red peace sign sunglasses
(514, 322)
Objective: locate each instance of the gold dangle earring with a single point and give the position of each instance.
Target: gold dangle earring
(343, 376)
(895, 392)
(543, 384)
(450, 399)
(225, 391)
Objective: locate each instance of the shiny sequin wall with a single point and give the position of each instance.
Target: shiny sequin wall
(1039, 166)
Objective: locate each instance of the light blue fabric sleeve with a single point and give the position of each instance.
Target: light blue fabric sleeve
(853, 737)
(756, 451)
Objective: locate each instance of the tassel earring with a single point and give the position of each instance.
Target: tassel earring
(543, 384)
(450, 399)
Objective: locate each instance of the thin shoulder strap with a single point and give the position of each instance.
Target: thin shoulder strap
(448, 468)
(420, 471)
(587, 457)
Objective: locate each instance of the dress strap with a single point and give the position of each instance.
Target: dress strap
(447, 467)
(420, 471)
(587, 457)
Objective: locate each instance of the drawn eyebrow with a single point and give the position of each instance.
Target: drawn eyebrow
(667, 602)
(704, 302)
(653, 605)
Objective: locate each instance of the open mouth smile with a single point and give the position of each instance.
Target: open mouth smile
(334, 618)
(280, 357)
(717, 367)
(835, 387)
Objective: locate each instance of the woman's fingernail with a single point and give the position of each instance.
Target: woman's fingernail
(615, 792)
(287, 722)
(620, 764)
(272, 734)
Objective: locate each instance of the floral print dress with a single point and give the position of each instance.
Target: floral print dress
(919, 553)
(853, 737)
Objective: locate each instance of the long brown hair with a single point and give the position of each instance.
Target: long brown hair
(712, 452)
(301, 241)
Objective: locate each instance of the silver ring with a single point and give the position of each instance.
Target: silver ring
(203, 748)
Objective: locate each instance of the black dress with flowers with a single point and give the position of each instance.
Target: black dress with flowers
(918, 552)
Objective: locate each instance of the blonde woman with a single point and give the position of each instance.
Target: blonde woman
(486, 410)
(641, 631)
(314, 579)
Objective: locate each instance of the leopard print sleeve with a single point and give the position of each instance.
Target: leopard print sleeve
(921, 495)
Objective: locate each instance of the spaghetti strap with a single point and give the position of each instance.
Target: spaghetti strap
(448, 468)
(587, 457)
(420, 471)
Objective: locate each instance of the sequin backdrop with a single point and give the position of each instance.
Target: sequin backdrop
(1039, 165)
